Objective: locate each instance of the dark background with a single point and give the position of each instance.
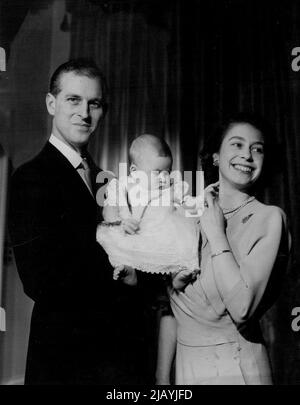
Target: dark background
(174, 68)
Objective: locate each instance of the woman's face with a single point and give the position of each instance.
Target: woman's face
(241, 156)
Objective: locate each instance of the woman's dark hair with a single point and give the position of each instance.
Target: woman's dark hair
(213, 144)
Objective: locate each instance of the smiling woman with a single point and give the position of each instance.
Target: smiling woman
(241, 156)
(245, 246)
(262, 148)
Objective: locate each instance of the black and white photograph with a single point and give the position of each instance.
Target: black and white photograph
(149, 195)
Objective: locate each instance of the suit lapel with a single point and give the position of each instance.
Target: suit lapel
(67, 175)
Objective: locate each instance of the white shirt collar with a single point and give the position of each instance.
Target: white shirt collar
(73, 157)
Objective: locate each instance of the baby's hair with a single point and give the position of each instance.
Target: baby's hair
(147, 143)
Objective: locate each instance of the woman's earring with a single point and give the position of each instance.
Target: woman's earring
(216, 162)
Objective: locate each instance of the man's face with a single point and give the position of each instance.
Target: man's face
(76, 109)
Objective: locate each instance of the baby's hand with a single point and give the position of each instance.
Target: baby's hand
(130, 225)
(193, 205)
(181, 279)
(126, 274)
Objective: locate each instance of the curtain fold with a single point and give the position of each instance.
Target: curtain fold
(140, 69)
(3, 196)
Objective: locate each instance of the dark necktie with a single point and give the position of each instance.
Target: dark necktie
(85, 172)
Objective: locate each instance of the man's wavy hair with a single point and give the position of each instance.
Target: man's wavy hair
(82, 67)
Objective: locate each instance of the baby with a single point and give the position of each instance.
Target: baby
(145, 224)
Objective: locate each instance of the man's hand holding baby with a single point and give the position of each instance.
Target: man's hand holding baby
(130, 225)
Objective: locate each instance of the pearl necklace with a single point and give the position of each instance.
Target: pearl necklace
(237, 209)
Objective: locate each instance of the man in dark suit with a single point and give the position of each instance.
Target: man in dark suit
(85, 327)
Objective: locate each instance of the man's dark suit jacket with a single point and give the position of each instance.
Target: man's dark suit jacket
(85, 327)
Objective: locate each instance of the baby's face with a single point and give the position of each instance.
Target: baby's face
(157, 168)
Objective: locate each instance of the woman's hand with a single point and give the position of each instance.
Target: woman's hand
(181, 279)
(212, 220)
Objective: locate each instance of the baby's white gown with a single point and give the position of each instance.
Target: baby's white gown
(166, 242)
